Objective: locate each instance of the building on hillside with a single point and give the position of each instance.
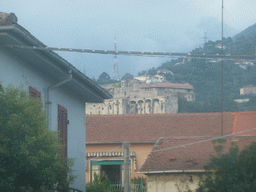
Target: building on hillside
(150, 78)
(180, 169)
(248, 90)
(106, 133)
(62, 88)
(136, 98)
(164, 71)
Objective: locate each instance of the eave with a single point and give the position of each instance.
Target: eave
(172, 171)
(50, 63)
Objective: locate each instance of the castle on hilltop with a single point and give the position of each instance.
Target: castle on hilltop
(141, 96)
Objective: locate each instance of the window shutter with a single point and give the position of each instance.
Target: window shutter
(63, 128)
(33, 92)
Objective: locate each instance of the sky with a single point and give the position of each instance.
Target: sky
(138, 25)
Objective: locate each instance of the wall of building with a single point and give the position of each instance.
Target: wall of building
(138, 149)
(145, 105)
(130, 98)
(174, 182)
(18, 73)
(248, 90)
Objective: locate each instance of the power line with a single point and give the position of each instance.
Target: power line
(135, 53)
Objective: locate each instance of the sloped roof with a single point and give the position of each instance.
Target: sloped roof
(47, 61)
(188, 158)
(168, 85)
(244, 121)
(150, 127)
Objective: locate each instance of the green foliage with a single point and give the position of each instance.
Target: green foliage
(143, 72)
(104, 78)
(231, 172)
(212, 105)
(100, 184)
(140, 184)
(205, 76)
(139, 180)
(127, 76)
(30, 154)
(116, 85)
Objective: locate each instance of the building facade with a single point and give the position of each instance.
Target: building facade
(106, 133)
(133, 97)
(62, 89)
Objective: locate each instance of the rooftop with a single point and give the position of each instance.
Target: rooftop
(168, 85)
(189, 157)
(47, 61)
(150, 127)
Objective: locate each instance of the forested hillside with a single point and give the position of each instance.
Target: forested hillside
(205, 75)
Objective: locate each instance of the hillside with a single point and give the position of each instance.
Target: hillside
(205, 75)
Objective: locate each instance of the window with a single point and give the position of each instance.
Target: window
(33, 92)
(63, 128)
(113, 169)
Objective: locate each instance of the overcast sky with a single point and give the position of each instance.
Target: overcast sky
(139, 25)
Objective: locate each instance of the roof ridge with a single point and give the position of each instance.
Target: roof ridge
(160, 114)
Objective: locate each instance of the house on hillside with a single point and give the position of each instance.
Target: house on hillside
(106, 133)
(179, 169)
(62, 88)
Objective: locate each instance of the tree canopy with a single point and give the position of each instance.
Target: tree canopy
(127, 76)
(231, 172)
(104, 78)
(30, 154)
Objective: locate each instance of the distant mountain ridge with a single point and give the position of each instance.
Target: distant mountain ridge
(249, 32)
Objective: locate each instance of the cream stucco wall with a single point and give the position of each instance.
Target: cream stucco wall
(138, 149)
(172, 182)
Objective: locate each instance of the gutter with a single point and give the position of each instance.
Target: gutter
(121, 142)
(172, 171)
(48, 102)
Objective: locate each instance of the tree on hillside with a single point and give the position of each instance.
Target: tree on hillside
(143, 72)
(127, 76)
(231, 172)
(104, 77)
(30, 155)
(152, 71)
(213, 105)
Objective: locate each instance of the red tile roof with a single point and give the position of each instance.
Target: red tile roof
(150, 127)
(244, 121)
(168, 85)
(190, 157)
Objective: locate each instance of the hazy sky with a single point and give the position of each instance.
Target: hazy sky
(139, 25)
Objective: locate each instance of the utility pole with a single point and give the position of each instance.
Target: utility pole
(126, 146)
(222, 72)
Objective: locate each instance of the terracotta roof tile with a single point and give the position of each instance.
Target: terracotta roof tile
(168, 85)
(149, 127)
(191, 157)
(245, 121)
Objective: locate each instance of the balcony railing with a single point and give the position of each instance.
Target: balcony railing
(134, 187)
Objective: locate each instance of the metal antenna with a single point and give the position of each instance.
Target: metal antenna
(115, 73)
